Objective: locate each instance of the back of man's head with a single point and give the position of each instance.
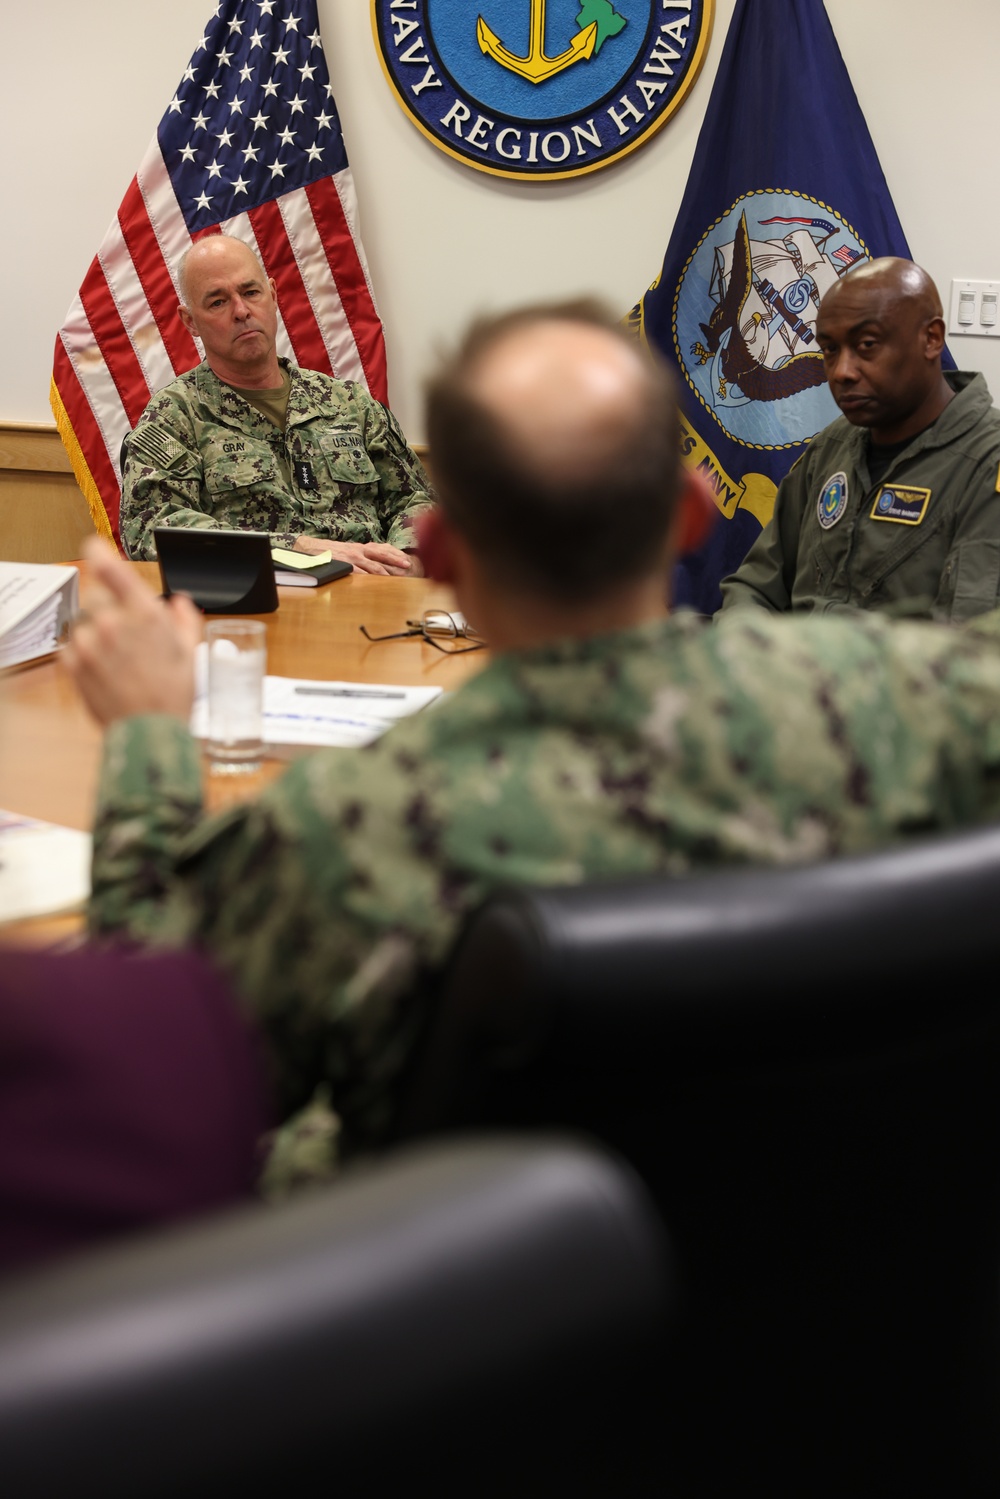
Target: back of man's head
(554, 444)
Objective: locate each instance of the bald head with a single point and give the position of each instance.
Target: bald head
(228, 302)
(211, 256)
(881, 333)
(891, 283)
(568, 396)
(554, 444)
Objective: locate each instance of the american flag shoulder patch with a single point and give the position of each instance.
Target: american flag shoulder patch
(150, 446)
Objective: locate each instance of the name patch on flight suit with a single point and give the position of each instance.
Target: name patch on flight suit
(897, 502)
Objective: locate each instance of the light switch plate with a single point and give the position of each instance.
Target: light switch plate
(976, 328)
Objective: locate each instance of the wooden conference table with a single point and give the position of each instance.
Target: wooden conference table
(50, 747)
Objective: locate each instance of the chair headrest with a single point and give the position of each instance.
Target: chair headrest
(403, 1297)
(637, 962)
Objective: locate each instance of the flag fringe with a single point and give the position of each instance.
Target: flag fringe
(78, 462)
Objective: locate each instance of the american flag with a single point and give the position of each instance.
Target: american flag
(250, 145)
(846, 255)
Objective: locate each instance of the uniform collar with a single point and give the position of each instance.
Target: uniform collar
(972, 401)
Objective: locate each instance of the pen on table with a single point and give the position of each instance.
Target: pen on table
(345, 692)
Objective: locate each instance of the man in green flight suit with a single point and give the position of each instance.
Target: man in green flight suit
(897, 504)
(605, 738)
(249, 441)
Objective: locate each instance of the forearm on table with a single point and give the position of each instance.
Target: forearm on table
(401, 532)
(151, 504)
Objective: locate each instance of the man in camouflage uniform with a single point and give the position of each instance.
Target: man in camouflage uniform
(248, 441)
(604, 738)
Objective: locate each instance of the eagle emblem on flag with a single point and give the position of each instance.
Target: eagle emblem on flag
(745, 315)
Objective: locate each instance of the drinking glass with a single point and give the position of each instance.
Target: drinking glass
(237, 655)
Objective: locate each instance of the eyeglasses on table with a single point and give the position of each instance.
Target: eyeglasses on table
(436, 626)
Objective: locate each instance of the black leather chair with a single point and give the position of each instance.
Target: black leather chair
(477, 1318)
(804, 1065)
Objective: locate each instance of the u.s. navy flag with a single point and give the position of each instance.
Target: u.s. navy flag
(250, 145)
(785, 195)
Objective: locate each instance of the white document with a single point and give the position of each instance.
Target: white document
(37, 601)
(44, 869)
(299, 711)
(340, 715)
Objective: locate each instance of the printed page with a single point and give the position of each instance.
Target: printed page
(44, 868)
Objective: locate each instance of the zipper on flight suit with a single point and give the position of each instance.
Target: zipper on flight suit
(876, 582)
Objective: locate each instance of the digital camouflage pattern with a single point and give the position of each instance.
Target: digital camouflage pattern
(203, 457)
(947, 565)
(673, 747)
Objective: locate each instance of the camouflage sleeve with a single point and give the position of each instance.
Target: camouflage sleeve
(404, 489)
(161, 484)
(149, 799)
(269, 891)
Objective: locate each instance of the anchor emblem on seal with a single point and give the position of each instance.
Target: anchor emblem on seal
(536, 67)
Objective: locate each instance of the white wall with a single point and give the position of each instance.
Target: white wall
(83, 86)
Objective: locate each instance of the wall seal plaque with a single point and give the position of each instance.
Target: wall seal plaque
(541, 89)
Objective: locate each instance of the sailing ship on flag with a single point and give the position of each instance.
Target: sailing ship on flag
(761, 337)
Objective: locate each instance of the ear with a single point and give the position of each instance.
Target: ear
(274, 288)
(697, 513)
(935, 336)
(186, 319)
(434, 545)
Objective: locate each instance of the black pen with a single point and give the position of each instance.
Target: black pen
(345, 692)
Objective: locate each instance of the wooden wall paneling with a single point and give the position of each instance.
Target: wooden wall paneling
(43, 514)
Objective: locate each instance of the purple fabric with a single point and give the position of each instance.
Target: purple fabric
(131, 1094)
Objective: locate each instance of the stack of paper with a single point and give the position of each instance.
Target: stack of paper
(37, 601)
(44, 869)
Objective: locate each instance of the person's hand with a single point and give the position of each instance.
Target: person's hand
(367, 556)
(132, 652)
